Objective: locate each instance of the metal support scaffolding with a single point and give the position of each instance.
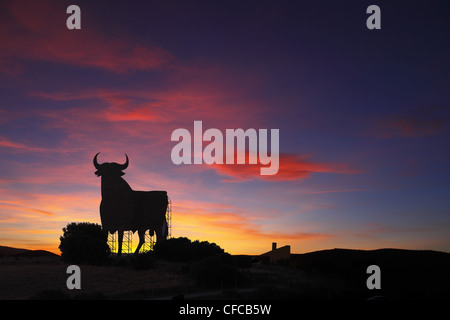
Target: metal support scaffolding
(112, 242)
(127, 243)
(169, 218)
(149, 242)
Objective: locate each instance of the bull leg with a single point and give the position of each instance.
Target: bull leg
(141, 234)
(119, 240)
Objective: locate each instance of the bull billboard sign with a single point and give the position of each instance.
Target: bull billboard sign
(123, 208)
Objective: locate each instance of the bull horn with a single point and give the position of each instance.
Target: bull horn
(96, 165)
(125, 165)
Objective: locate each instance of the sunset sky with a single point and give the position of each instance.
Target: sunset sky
(363, 116)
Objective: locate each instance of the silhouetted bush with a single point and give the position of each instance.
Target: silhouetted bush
(84, 243)
(182, 249)
(144, 261)
(242, 261)
(216, 272)
(174, 249)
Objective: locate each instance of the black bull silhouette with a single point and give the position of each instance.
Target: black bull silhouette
(124, 209)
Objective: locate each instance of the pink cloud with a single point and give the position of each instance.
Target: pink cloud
(30, 32)
(7, 143)
(335, 191)
(419, 122)
(292, 167)
(135, 116)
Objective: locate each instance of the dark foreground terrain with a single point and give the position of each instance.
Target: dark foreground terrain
(405, 274)
(328, 274)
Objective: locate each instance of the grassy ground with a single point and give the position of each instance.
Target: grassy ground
(23, 278)
(329, 274)
(45, 277)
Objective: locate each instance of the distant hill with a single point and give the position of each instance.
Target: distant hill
(17, 252)
(405, 274)
(390, 257)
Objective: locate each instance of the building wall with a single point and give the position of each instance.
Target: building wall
(278, 254)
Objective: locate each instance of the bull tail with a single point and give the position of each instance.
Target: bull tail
(168, 216)
(164, 229)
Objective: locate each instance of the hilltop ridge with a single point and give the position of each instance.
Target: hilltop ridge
(19, 252)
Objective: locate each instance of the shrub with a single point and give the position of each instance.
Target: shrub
(182, 249)
(144, 261)
(174, 249)
(84, 243)
(215, 272)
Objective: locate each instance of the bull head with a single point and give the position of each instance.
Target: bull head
(109, 168)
